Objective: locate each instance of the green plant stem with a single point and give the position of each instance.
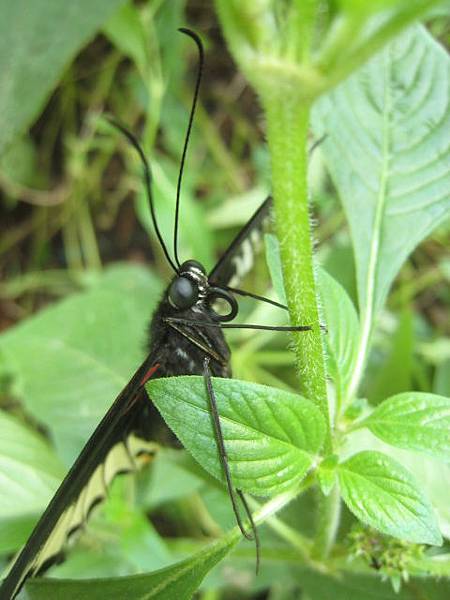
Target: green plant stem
(287, 131)
(72, 248)
(155, 87)
(277, 503)
(328, 514)
(88, 237)
(298, 541)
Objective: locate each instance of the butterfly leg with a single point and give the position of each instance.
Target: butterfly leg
(233, 492)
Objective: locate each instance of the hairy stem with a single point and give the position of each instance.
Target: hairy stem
(287, 130)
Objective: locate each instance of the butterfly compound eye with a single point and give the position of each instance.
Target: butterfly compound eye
(183, 293)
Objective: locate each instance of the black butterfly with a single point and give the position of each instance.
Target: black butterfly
(186, 338)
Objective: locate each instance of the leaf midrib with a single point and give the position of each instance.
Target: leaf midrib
(231, 421)
(367, 310)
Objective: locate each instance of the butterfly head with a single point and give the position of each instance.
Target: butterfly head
(191, 286)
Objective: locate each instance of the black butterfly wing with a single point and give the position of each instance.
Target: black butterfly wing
(114, 447)
(238, 259)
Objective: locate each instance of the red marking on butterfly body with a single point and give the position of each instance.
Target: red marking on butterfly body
(150, 373)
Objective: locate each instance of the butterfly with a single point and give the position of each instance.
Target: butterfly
(185, 338)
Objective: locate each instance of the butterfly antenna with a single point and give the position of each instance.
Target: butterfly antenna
(216, 324)
(199, 44)
(255, 296)
(148, 183)
(254, 535)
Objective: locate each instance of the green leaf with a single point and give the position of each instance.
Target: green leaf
(366, 8)
(37, 40)
(126, 30)
(348, 585)
(387, 152)
(30, 473)
(15, 532)
(342, 329)
(139, 542)
(170, 479)
(29, 470)
(73, 358)
(177, 582)
(386, 149)
(339, 263)
(382, 494)
(433, 474)
(19, 163)
(274, 263)
(326, 474)
(415, 421)
(394, 374)
(271, 436)
(441, 383)
(434, 477)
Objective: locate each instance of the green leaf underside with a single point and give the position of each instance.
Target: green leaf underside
(394, 371)
(274, 264)
(342, 328)
(15, 531)
(177, 582)
(384, 495)
(70, 362)
(415, 421)
(37, 40)
(389, 122)
(271, 436)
